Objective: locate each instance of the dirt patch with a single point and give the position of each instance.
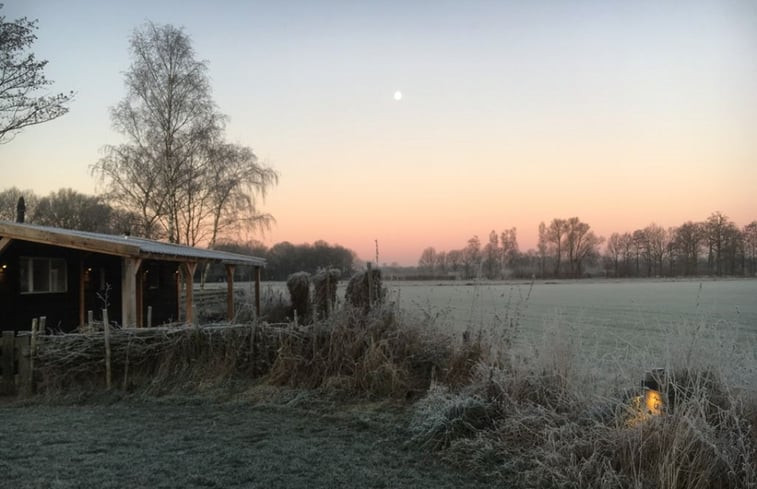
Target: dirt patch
(199, 443)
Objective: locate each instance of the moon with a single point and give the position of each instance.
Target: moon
(397, 95)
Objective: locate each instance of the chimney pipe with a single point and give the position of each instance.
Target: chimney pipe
(20, 210)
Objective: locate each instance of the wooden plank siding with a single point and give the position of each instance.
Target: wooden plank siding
(63, 308)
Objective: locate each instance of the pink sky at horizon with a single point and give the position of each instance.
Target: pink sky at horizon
(511, 113)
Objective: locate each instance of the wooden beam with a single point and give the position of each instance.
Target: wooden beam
(189, 273)
(230, 292)
(4, 243)
(129, 269)
(257, 291)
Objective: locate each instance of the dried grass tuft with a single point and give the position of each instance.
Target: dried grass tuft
(379, 355)
(442, 417)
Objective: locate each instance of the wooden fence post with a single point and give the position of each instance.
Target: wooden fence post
(90, 321)
(106, 330)
(33, 345)
(149, 316)
(24, 364)
(7, 367)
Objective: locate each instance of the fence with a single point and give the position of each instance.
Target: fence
(17, 360)
(210, 304)
(31, 362)
(18, 351)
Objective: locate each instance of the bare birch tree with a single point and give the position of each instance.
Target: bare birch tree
(554, 237)
(176, 172)
(510, 250)
(427, 261)
(492, 257)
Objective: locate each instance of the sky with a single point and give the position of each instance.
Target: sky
(512, 113)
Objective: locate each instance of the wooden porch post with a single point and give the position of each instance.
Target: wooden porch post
(230, 292)
(178, 293)
(140, 297)
(129, 269)
(257, 291)
(82, 302)
(189, 273)
(4, 243)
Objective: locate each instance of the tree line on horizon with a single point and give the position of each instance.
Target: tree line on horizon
(285, 258)
(568, 248)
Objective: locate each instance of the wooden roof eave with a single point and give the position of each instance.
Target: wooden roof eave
(76, 242)
(10, 232)
(191, 259)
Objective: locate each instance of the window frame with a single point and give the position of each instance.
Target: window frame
(63, 265)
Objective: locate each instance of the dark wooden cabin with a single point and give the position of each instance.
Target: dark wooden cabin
(62, 273)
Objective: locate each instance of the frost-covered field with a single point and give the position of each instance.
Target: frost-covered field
(632, 309)
(617, 308)
(627, 321)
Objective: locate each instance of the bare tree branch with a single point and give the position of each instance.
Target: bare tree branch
(21, 80)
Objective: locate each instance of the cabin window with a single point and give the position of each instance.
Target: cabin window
(43, 275)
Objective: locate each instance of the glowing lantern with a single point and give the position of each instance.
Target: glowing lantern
(653, 384)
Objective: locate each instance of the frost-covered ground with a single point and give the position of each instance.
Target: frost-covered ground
(201, 442)
(618, 308)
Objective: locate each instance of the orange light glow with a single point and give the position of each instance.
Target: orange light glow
(653, 402)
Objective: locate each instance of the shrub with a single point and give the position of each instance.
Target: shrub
(365, 289)
(324, 291)
(299, 293)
